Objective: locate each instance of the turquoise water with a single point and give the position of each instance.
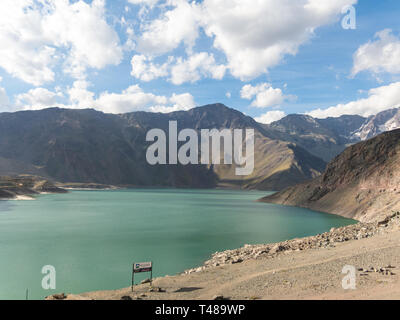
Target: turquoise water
(93, 237)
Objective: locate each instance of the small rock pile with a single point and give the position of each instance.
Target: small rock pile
(385, 271)
(329, 239)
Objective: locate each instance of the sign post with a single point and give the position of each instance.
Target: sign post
(142, 267)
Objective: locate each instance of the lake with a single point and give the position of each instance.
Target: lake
(93, 237)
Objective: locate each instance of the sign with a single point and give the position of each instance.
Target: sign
(139, 267)
(142, 267)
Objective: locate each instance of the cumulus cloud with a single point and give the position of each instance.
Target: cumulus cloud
(255, 35)
(170, 29)
(144, 69)
(264, 95)
(83, 29)
(197, 66)
(35, 35)
(180, 102)
(37, 98)
(80, 96)
(134, 98)
(270, 117)
(379, 99)
(381, 55)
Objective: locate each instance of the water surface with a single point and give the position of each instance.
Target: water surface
(93, 237)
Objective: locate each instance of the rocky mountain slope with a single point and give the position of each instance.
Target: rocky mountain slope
(87, 146)
(324, 138)
(361, 183)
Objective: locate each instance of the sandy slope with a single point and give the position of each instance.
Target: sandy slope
(308, 274)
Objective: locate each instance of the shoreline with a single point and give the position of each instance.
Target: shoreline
(226, 263)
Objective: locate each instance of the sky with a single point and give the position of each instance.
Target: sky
(265, 58)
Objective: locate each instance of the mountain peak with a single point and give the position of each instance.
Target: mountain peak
(384, 121)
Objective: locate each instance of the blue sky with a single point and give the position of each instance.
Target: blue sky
(266, 58)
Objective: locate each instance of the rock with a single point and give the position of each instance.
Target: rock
(237, 260)
(126, 298)
(60, 296)
(156, 289)
(220, 298)
(145, 281)
(277, 248)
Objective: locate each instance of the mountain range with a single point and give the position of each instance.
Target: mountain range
(88, 146)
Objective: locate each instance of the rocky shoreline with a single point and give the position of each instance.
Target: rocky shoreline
(325, 240)
(23, 187)
(87, 186)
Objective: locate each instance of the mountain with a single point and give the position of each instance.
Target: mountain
(324, 138)
(361, 183)
(87, 146)
(384, 121)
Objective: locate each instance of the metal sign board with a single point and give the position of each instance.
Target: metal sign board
(142, 267)
(139, 267)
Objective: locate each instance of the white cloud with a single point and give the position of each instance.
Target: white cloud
(37, 98)
(255, 35)
(181, 102)
(197, 66)
(130, 99)
(270, 117)
(144, 69)
(35, 35)
(80, 97)
(379, 99)
(381, 55)
(134, 99)
(174, 26)
(24, 51)
(265, 96)
(83, 28)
